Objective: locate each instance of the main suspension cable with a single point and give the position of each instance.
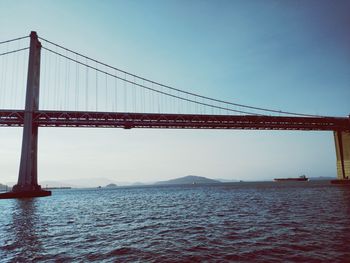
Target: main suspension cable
(11, 40)
(13, 51)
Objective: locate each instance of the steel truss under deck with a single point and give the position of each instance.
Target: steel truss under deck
(15, 118)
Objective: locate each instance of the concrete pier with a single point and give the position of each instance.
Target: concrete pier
(342, 147)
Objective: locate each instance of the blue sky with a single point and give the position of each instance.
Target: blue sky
(288, 55)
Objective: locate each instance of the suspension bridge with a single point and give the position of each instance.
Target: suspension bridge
(79, 91)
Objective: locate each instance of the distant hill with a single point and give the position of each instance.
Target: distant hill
(190, 179)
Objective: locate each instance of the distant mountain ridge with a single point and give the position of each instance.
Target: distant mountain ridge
(190, 179)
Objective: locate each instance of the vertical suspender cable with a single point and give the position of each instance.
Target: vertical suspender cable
(134, 96)
(86, 87)
(96, 89)
(59, 88)
(116, 93)
(65, 84)
(47, 88)
(55, 86)
(76, 84)
(125, 96)
(68, 87)
(16, 78)
(106, 105)
(43, 86)
(24, 64)
(5, 79)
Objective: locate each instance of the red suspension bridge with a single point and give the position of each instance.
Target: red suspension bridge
(78, 91)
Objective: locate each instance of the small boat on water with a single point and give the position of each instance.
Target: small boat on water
(302, 178)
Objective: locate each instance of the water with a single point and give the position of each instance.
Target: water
(243, 222)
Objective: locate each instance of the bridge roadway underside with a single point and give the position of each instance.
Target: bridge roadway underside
(15, 118)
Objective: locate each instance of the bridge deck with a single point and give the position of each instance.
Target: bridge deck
(15, 118)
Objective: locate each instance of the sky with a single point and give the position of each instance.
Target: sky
(284, 55)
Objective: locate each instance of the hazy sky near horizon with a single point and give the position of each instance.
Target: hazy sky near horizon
(285, 55)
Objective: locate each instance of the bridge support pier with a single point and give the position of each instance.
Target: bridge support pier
(342, 147)
(27, 184)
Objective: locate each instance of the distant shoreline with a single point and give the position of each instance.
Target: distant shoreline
(55, 188)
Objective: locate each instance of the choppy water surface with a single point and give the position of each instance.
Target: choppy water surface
(255, 222)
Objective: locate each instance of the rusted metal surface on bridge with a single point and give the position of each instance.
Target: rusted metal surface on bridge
(11, 118)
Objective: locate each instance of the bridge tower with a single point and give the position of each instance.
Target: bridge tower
(342, 147)
(27, 184)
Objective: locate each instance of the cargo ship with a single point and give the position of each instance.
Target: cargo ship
(302, 178)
